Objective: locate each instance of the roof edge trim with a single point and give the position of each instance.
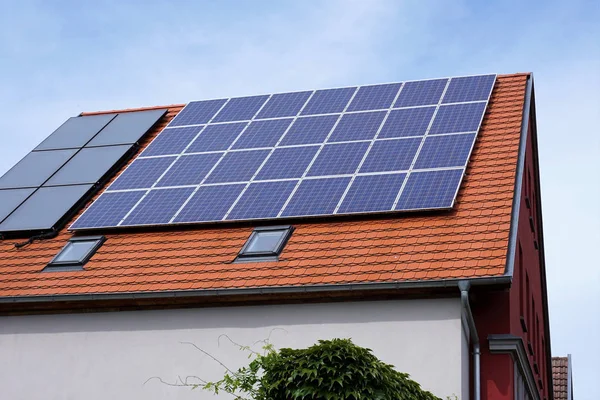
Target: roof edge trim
(569, 378)
(130, 110)
(449, 283)
(516, 206)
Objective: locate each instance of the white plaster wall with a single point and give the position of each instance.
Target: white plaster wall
(466, 354)
(111, 355)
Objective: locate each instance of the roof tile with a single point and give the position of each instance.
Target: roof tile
(560, 376)
(468, 241)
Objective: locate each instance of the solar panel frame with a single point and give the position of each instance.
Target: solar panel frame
(267, 197)
(263, 133)
(273, 107)
(241, 108)
(117, 210)
(417, 97)
(474, 88)
(384, 193)
(127, 128)
(75, 132)
(180, 173)
(330, 101)
(281, 144)
(321, 125)
(157, 206)
(214, 210)
(11, 199)
(89, 165)
(44, 208)
(375, 97)
(163, 145)
(33, 170)
(190, 115)
(450, 192)
(231, 131)
(445, 151)
(357, 126)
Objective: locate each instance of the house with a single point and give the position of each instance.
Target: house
(101, 281)
(562, 377)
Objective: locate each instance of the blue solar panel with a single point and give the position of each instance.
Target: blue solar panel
(210, 203)
(262, 133)
(216, 137)
(375, 97)
(407, 122)
(287, 162)
(372, 193)
(262, 200)
(189, 170)
(158, 207)
(316, 197)
(445, 151)
(391, 155)
(421, 93)
(284, 105)
(240, 108)
(430, 189)
(238, 166)
(329, 101)
(108, 210)
(361, 126)
(469, 88)
(198, 112)
(309, 130)
(338, 159)
(142, 173)
(171, 141)
(294, 154)
(458, 118)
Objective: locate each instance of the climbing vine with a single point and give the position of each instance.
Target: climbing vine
(329, 370)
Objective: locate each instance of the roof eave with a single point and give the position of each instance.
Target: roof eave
(498, 281)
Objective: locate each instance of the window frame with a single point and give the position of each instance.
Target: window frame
(256, 256)
(54, 265)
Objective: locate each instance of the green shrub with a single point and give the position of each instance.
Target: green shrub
(330, 370)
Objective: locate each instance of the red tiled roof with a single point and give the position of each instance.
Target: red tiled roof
(560, 376)
(469, 241)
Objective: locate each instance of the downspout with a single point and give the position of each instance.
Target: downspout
(464, 286)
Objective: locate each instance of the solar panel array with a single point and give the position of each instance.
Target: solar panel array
(40, 190)
(378, 148)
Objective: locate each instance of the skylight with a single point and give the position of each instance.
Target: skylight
(265, 244)
(76, 252)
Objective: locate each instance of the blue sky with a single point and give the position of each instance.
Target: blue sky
(63, 57)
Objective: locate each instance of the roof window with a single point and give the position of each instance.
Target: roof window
(265, 244)
(76, 253)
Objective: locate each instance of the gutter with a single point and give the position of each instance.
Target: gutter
(464, 287)
(501, 280)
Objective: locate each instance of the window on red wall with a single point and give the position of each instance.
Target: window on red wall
(533, 316)
(528, 304)
(528, 187)
(538, 343)
(522, 298)
(543, 363)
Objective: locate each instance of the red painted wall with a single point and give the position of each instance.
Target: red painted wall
(526, 297)
(501, 312)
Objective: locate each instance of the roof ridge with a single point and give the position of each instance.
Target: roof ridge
(126, 110)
